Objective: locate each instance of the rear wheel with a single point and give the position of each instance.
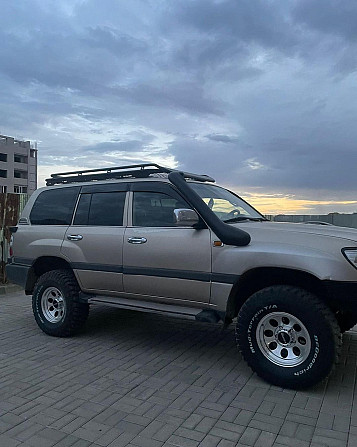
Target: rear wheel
(56, 306)
(288, 336)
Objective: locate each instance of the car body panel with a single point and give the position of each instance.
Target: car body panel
(175, 263)
(279, 245)
(33, 242)
(97, 259)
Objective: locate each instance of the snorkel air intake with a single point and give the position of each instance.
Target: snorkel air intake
(228, 234)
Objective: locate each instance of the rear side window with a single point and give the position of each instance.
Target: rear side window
(101, 209)
(54, 206)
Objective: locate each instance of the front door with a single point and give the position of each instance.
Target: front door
(161, 261)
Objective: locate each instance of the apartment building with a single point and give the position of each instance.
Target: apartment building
(18, 166)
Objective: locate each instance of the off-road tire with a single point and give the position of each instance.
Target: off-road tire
(312, 345)
(58, 288)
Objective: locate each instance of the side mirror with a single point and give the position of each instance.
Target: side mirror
(186, 217)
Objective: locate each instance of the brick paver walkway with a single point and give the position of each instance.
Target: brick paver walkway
(145, 380)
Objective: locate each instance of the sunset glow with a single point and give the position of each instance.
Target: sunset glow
(279, 204)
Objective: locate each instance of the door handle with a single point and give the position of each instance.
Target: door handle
(74, 237)
(137, 240)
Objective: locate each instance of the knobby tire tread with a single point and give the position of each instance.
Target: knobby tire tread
(313, 303)
(79, 311)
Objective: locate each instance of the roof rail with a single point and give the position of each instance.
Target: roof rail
(143, 170)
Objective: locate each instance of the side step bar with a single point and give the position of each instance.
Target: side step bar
(206, 315)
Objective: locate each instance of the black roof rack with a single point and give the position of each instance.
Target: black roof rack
(132, 171)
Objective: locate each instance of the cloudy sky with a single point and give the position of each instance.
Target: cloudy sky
(259, 94)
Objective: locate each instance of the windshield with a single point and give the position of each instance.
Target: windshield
(226, 205)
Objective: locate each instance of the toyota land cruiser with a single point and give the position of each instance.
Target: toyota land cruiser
(155, 239)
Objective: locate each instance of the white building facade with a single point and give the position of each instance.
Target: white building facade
(18, 166)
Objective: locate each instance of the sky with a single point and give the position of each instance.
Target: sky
(261, 95)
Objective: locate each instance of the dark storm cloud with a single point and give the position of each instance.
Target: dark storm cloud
(112, 40)
(187, 96)
(336, 17)
(222, 138)
(245, 21)
(306, 170)
(231, 31)
(335, 23)
(67, 60)
(257, 94)
(209, 156)
(118, 146)
(98, 61)
(203, 52)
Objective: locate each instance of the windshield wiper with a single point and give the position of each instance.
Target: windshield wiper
(241, 218)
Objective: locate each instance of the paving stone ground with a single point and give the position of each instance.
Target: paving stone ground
(144, 380)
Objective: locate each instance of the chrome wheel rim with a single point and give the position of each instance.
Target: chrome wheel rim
(53, 305)
(283, 339)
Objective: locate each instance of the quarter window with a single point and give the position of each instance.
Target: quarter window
(155, 209)
(54, 207)
(100, 209)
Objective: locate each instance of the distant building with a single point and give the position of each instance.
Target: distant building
(18, 166)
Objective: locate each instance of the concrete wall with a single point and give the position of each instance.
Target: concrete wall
(342, 220)
(26, 168)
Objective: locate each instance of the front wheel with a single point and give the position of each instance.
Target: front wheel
(56, 306)
(288, 336)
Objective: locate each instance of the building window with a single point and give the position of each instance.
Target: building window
(20, 189)
(20, 174)
(3, 173)
(18, 158)
(3, 157)
(32, 153)
(3, 188)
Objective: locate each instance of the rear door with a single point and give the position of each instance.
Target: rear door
(93, 243)
(161, 261)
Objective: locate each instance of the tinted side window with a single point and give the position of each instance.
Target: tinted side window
(81, 217)
(155, 209)
(54, 207)
(100, 209)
